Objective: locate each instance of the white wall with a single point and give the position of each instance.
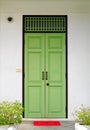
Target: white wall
(78, 60)
(11, 58)
(78, 46)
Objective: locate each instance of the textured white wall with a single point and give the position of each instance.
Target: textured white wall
(78, 46)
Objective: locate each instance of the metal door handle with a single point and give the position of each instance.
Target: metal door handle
(46, 75)
(42, 75)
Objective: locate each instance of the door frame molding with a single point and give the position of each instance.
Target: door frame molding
(23, 40)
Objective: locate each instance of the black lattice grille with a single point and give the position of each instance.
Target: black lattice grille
(44, 24)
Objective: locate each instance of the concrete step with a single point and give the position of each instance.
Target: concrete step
(27, 124)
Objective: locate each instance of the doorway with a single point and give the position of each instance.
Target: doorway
(45, 70)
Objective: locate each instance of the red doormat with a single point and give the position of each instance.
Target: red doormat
(47, 123)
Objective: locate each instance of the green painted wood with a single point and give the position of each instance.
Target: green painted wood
(45, 53)
(34, 85)
(56, 68)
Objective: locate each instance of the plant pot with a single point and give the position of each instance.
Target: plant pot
(6, 127)
(81, 127)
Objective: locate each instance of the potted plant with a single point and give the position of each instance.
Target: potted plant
(10, 114)
(82, 118)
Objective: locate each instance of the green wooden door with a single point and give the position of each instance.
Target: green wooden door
(55, 83)
(45, 85)
(34, 65)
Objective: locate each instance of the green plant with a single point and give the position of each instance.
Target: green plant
(10, 112)
(83, 115)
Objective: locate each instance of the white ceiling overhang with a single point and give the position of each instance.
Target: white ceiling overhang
(63, 6)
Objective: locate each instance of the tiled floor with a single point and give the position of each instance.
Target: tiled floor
(67, 125)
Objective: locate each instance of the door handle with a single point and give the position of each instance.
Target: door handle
(42, 75)
(46, 75)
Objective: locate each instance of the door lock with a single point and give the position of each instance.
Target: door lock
(47, 84)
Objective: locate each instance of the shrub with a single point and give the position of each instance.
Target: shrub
(83, 115)
(10, 112)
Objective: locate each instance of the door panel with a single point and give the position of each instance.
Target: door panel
(56, 90)
(34, 65)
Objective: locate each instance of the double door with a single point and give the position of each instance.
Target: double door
(45, 81)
